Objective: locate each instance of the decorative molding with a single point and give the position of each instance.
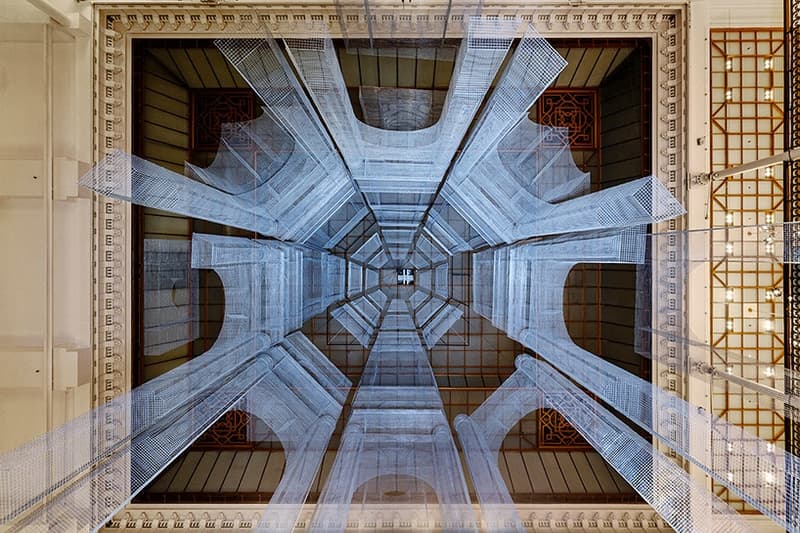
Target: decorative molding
(395, 21)
(791, 273)
(536, 517)
(668, 275)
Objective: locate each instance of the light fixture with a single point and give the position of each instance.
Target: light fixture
(773, 293)
(767, 63)
(729, 94)
(768, 95)
(769, 371)
(729, 64)
(769, 172)
(729, 325)
(768, 325)
(729, 248)
(729, 295)
(729, 218)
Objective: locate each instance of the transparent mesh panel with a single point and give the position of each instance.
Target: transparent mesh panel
(435, 328)
(76, 476)
(132, 179)
(685, 504)
(171, 308)
(81, 448)
(400, 163)
(534, 65)
(534, 275)
(299, 401)
(396, 436)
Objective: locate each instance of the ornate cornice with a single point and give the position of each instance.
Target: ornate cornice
(387, 20)
(244, 517)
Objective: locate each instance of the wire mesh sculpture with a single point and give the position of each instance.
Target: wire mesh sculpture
(526, 300)
(265, 300)
(513, 180)
(397, 437)
(399, 169)
(683, 502)
(170, 296)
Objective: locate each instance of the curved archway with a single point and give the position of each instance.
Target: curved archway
(599, 309)
(416, 497)
(211, 308)
(181, 311)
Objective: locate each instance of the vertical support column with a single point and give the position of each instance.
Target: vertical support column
(334, 504)
(497, 509)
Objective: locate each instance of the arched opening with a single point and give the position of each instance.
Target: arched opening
(600, 312)
(180, 310)
(544, 459)
(179, 115)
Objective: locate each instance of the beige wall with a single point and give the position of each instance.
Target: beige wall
(45, 224)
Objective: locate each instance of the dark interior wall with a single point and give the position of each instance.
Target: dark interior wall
(162, 132)
(622, 126)
(625, 133)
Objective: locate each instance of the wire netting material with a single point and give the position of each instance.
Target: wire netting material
(300, 401)
(354, 323)
(295, 213)
(758, 247)
(684, 503)
(272, 173)
(397, 433)
(267, 283)
(68, 447)
(533, 276)
(132, 179)
(65, 464)
(368, 250)
(400, 109)
(313, 185)
(534, 65)
(435, 328)
(171, 307)
(264, 300)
